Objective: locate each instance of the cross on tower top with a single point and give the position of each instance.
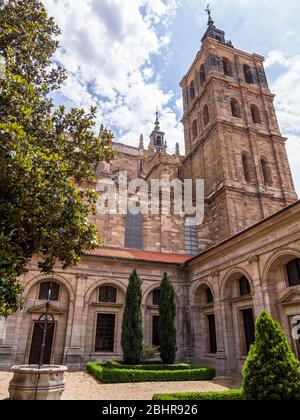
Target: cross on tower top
(208, 10)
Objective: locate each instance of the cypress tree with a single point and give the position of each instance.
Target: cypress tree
(167, 329)
(271, 371)
(132, 331)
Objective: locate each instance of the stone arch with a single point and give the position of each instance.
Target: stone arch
(232, 275)
(291, 251)
(56, 277)
(198, 285)
(104, 282)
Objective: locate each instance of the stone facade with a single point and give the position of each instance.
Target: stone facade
(250, 234)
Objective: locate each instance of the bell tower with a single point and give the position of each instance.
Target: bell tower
(157, 137)
(232, 138)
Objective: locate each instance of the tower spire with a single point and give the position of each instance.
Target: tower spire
(157, 121)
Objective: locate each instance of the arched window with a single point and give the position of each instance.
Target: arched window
(205, 116)
(267, 178)
(209, 296)
(44, 291)
(191, 237)
(195, 130)
(293, 272)
(235, 108)
(202, 75)
(255, 114)
(246, 169)
(244, 284)
(227, 67)
(155, 296)
(248, 74)
(107, 294)
(133, 231)
(158, 141)
(192, 91)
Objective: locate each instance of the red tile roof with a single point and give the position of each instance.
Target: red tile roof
(137, 254)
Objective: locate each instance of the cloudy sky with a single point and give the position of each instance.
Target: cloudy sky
(127, 57)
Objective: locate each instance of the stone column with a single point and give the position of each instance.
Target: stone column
(258, 297)
(74, 354)
(7, 350)
(221, 356)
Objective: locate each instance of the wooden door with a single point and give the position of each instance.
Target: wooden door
(36, 344)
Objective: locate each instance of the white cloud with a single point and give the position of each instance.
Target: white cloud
(106, 48)
(287, 103)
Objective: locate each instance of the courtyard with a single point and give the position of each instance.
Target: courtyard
(82, 386)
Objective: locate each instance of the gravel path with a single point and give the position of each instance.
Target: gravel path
(82, 386)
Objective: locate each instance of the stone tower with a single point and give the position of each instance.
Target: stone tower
(232, 138)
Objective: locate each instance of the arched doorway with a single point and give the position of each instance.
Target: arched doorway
(239, 318)
(35, 305)
(283, 289)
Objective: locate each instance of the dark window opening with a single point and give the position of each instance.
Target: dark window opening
(205, 116)
(107, 294)
(249, 328)
(209, 296)
(267, 178)
(105, 333)
(246, 168)
(192, 91)
(155, 330)
(45, 289)
(227, 67)
(212, 334)
(248, 74)
(235, 108)
(36, 344)
(156, 296)
(244, 284)
(293, 272)
(255, 114)
(133, 231)
(202, 75)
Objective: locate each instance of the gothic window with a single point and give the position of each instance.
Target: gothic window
(246, 169)
(202, 75)
(192, 91)
(212, 334)
(105, 333)
(235, 108)
(190, 237)
(248, 74)
(267, 178)
(255, 114)
(45, 289)
(205, 116)
(227, 67)
(107, 294)
(244, 284)
(293, 272)
(209, 296)
(195, 130)
(133, 231)
(155, 296)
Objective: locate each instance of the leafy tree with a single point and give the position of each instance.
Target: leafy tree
(271, 371)
(167, 314)
(44, 152)
(132, 330)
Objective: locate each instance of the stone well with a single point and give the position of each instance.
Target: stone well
(33, 383)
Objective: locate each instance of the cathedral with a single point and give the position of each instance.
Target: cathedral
(243, 257)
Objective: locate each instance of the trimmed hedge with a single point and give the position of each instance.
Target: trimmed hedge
(110, 375)
(148, 366)
(194, 396)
